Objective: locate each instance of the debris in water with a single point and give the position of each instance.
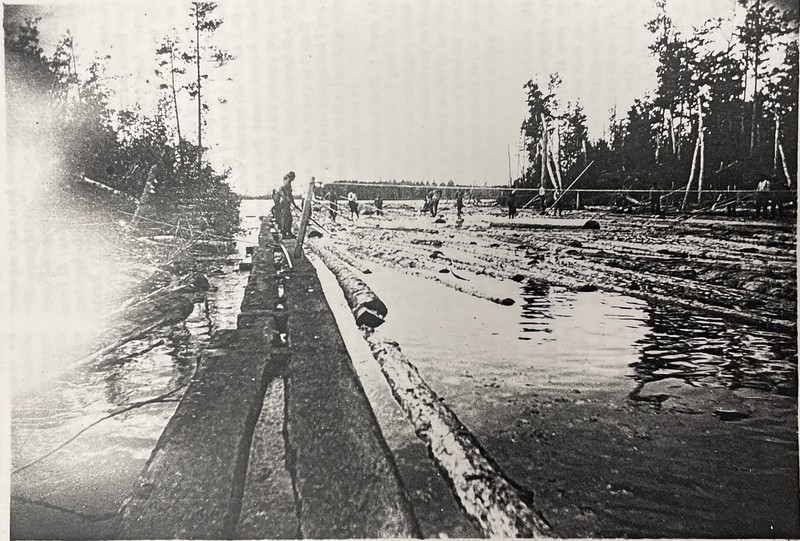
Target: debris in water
(591, 224)
(731, 415)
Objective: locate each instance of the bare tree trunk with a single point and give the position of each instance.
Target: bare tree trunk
(691, 174)
(550, 174)
(557, 168)
(557, 157)
(701, 139)
(777, 137)
(785, 167)
(658, 140)
(754, 116)
(546, 148)
(542, 160)
(175, 99)
(671, 123)
(679, 133)
(199, 85)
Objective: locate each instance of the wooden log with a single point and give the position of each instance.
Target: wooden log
(367, 308)
(347, 258)
(500, 508)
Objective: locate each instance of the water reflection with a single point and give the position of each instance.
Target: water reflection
(699, 349)
(692, 348)
(163, 361)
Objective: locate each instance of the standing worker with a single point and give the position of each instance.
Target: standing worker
(762, 196)
(655, 201)
(352, 203)
(286, 202)
(557, 196)
(331, 198)
(512, 204)
(459, 203)
(277, 206)
(543, 198)
(379, 205)
(435, 196)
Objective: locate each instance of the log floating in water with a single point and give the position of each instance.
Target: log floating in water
(541, 223)
(367, 308)
(500, 508)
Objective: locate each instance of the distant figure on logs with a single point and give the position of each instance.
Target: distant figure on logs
(331, 198)
(559, 208)
(655, 201)
(763, 196)
(276, 206)
(512, 204)
(777, 189)
(352, 203)
(459, 203)
(284, 205)
(434, 201)
(379, 205)
(543, 198)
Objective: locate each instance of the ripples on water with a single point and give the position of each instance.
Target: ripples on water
(690, 347)
(704, 349)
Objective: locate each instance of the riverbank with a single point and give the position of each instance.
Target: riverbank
(119, 320)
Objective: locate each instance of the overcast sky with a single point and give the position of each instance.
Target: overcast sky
(390, 89)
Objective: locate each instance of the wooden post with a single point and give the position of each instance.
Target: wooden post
(578, 200)
(301, 234)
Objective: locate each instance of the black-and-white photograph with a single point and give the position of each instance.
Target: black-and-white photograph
(284, 269)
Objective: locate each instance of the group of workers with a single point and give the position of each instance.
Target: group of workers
(768, 198)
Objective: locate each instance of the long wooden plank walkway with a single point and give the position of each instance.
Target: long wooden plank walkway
(274, 437)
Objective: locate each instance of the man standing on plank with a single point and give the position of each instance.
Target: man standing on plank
(286, 202)
(331, 197)
(352, 203)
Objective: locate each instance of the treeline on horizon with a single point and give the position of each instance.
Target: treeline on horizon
(723, 114)
(63, 118)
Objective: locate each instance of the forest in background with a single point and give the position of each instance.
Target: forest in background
(723, 114)
(63, 120)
